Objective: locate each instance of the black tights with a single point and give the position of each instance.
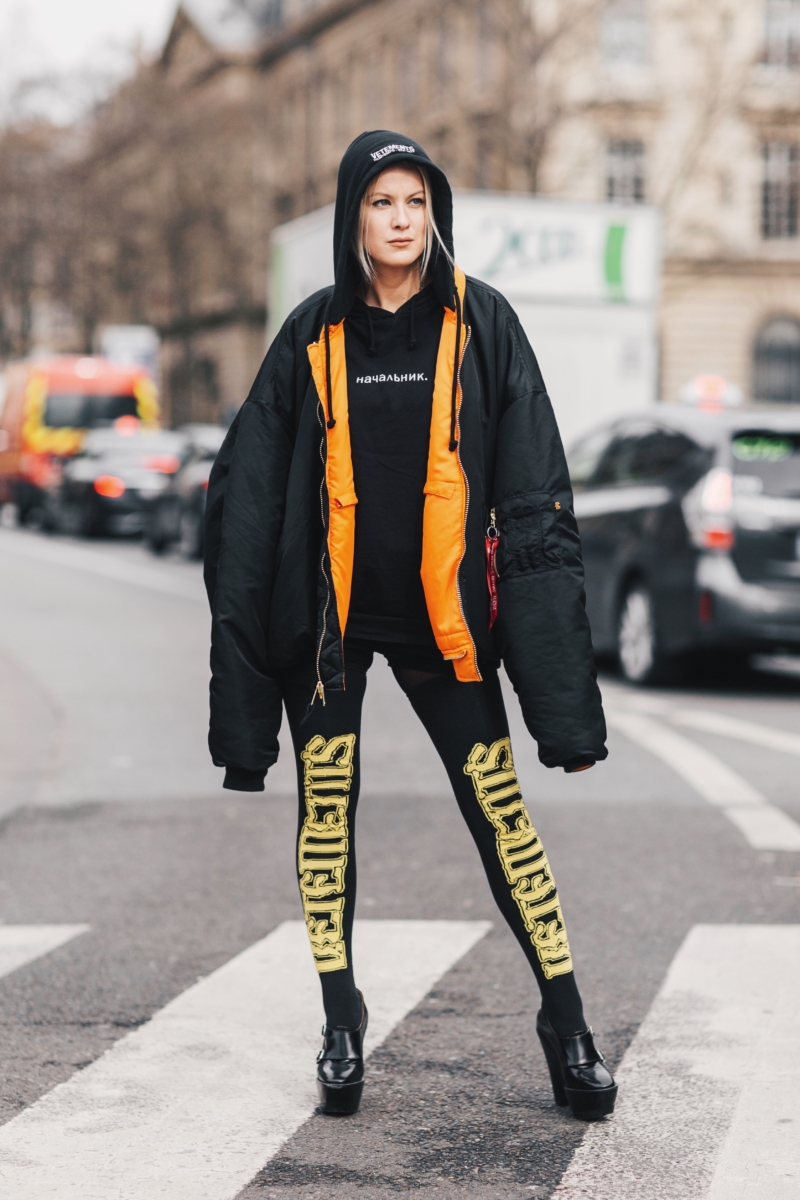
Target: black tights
(467, 724)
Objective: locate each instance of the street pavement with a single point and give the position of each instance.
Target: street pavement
(152, 963)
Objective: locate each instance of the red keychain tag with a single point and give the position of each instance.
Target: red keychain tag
(492, 542)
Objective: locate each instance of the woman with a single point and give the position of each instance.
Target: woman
(395, 484)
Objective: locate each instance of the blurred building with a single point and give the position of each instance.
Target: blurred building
(693, 107)
(177, 182)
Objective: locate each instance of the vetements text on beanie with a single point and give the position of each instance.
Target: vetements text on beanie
(358, 168)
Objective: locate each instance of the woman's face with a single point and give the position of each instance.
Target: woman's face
(394, 231)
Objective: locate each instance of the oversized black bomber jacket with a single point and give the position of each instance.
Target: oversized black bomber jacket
(268, 516)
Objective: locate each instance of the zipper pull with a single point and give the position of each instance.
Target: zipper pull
(319, 690)
(492, 542)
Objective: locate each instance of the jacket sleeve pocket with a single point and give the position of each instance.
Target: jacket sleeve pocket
(529, 535)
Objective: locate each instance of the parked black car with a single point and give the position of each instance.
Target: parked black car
(690, 525)
(105, 488)
(174, 516)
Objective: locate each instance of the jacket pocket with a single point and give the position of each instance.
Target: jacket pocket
(529, 535)
(442, 488)
(345, 500)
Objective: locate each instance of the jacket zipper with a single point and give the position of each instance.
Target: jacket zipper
(319, 690)
(460, 394)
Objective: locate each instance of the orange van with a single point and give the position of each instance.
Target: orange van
(50, 404)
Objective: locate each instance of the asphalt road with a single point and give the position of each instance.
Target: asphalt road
(113, 817)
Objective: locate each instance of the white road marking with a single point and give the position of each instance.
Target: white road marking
(21, 944)
(709, 1092)
(194, 1103)
(734, 727)
(100, 562)
(764, 826)
(702, 770)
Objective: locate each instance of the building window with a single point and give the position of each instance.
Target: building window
(484, 155)
(486, 35)
(776, 362)
(443, 56)
(626, 33)
(374, 88)
(782, 33)
(625, 171)
(268, 13)
(408, 85)
(779, 190)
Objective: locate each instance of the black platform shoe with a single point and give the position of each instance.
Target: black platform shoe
(577, 1073)
(340, 1067)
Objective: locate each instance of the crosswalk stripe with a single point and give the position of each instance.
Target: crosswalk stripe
(736, 728)
(709, 1092)
(194, 1103)
(764, 826)
(21, 944)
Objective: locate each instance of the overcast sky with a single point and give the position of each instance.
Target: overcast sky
(87, 40)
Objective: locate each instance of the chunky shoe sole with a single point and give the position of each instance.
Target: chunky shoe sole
(340, 1101)
(586, 1105)
(592, 1106)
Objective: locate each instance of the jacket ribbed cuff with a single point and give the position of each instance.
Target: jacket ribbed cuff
(239, 780)
(575, 764)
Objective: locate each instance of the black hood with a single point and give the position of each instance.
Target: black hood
(365, 158)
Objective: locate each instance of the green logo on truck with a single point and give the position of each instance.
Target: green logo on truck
(615, 245)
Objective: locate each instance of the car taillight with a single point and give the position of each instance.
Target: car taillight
(708, 511)
(167, 464)
(127, 426)
(718, 538)
(110, 486)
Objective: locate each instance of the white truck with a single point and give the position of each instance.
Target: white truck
(583, 278)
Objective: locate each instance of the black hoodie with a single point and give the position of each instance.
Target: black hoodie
(391, 364)
(270, 512)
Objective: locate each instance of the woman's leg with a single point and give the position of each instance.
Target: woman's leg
(468, 726)
(326, 744)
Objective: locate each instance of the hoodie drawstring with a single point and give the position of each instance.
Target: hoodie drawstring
(372, 347)
(328, 386)
(412, 337)
(454, 395)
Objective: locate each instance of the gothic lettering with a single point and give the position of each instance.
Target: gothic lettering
(323, 845)
(521, 853)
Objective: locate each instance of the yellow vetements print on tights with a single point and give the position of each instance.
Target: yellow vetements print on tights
(521, 853)
(323, 845)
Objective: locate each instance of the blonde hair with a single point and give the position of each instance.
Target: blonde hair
(433, 238)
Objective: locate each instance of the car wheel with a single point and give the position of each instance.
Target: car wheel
(154, 536)
(79, 520)
(191, 542)
(49, 516)
(33, 517)
(637, 638)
